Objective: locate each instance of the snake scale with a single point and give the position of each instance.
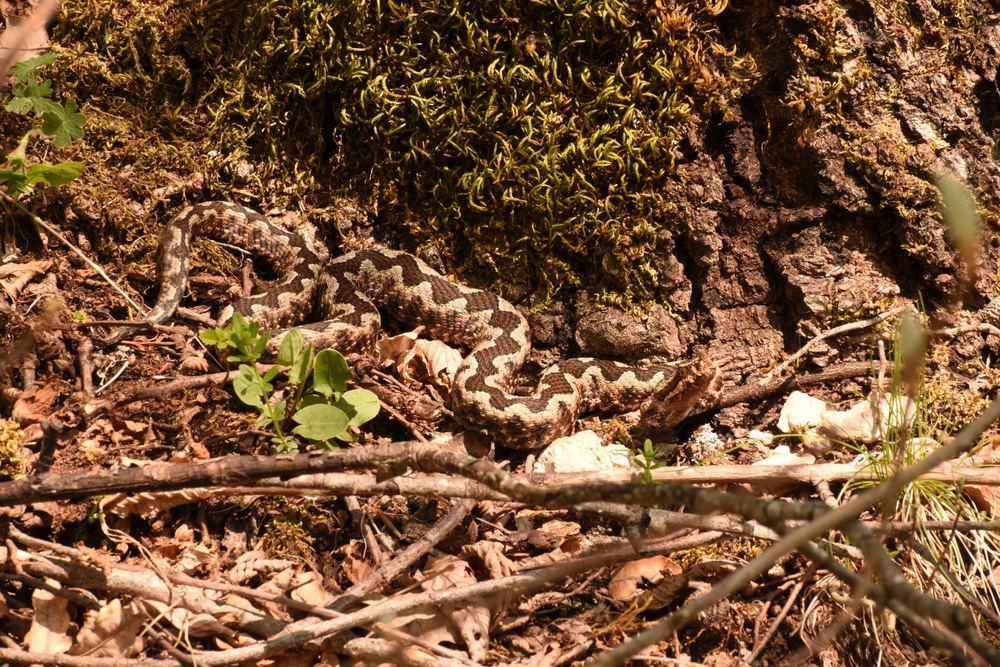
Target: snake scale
(341, 297)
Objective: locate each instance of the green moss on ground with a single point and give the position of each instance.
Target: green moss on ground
(532, 141)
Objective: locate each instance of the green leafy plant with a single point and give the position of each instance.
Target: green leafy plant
(649, 459)
(60, 121)
(320, 408)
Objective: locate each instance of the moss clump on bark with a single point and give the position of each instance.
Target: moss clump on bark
(532, 141)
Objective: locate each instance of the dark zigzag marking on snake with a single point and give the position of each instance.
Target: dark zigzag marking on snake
(345, 291)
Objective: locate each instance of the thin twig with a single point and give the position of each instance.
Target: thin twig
(392, 569)
(835, 331)
(55, 232)
(780, 618)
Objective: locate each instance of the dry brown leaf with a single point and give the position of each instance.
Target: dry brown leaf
(308, 587)
(669, 588)
(418, 360)
(697, 576)
(625, 580)
(429, 361)
(49, 632)
(471, 618)
(355, 569)
(196, 625)
(986, 498)
(149, 504)
(466, 623)
(13, 277)
(430, 625)
(110, 632)
(560, 529)
(488, 556)
(565, 551)
(194, 558)
(35, 403)
(392, 348)
(194, 365)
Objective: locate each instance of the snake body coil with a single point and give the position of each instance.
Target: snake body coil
(346, 292)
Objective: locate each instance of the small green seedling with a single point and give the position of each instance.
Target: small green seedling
(320, 409)
(649, 459)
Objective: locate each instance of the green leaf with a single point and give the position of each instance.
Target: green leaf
(248, 388)
(300, 370)
(320, 422)
(17, 163)
(213, 337)
(32, 95)
(360, 405)
(331, 374)
(238, 324)
(291, 347)
(260, 345)
(54, 174)
(19, 105)
(285, 445)
(272, 373)
(63, 124)
(17, 183)
(26, 68)
(312, 399)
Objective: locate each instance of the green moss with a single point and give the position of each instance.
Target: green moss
(12, 460)
(531, 140)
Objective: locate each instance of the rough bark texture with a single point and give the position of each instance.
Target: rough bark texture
(814, 202)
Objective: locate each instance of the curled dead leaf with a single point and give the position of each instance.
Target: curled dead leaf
(194, 365)
(392, 348)
(35, 403)
(430, 361)
(626, 580)
(194, 624)
(14, 277)
(466, 624)
(488, 556)
(49, 631)
(417, 360)
(110, 632)
(986, 498)
(308, 587)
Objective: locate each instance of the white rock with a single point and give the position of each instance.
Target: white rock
(582, 452)
(854, 425)
(800, 413)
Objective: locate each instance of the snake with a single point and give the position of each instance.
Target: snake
(335, 303)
